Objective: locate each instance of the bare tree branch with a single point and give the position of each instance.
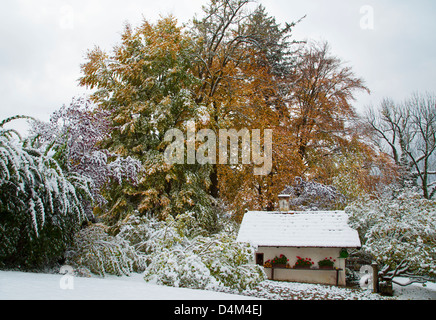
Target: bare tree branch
(409, 129)
(402, 271)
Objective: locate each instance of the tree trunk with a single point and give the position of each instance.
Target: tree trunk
(214, 188)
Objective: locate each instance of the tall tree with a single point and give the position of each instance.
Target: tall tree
(320, 111)
(146, 85)
(407, 132)
(238, 49)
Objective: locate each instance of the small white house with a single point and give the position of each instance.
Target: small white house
(312, 236)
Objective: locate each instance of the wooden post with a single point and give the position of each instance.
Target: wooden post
(374, 266)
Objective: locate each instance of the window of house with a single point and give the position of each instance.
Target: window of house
(259, 259)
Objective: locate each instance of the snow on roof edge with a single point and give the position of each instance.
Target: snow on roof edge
(308, 229)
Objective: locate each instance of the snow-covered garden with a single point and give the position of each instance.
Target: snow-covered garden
(91, 191)
(54, 177)
(32, 286)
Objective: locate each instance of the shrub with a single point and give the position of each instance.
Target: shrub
(327, 262)
(178, 269)
(170, 253)
(397, 228)
(178, 256)
(99, 253)
(40, 205)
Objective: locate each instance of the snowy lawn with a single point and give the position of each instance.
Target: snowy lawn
(31, 286)
(302, 291)
(415, 291)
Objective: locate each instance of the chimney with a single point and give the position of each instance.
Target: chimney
(284, 202)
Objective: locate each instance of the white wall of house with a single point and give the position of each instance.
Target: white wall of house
(306, 276)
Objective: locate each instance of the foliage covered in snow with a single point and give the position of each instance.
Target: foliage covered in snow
(397, 229)
(95, 251)
(311, 195)
(40, 204)
(180, 257)
(74, 136)
(170, 253)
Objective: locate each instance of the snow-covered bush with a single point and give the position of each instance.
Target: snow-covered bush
(177, 268)
(174, 252)
(96, 251)
(177, 255)
(228, 261)
(397, 229)
(213, 262)
(40, 205)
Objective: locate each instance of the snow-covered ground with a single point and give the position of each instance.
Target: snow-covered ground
(31, 286)
(415, 291)
(304, 291)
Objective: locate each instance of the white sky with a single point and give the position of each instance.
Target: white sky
(43, 43)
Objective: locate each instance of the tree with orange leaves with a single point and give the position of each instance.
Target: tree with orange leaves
(242, 56)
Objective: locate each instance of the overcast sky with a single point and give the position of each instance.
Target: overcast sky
(389, 43)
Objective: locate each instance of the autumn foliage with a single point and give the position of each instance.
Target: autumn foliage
(234, 67)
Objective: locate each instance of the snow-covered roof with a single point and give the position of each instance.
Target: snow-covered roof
(298, 229)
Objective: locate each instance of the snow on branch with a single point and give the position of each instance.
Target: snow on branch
(311, 195)
(402, 271)
(74, 136)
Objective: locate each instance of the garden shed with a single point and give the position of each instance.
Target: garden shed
(308, 247)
